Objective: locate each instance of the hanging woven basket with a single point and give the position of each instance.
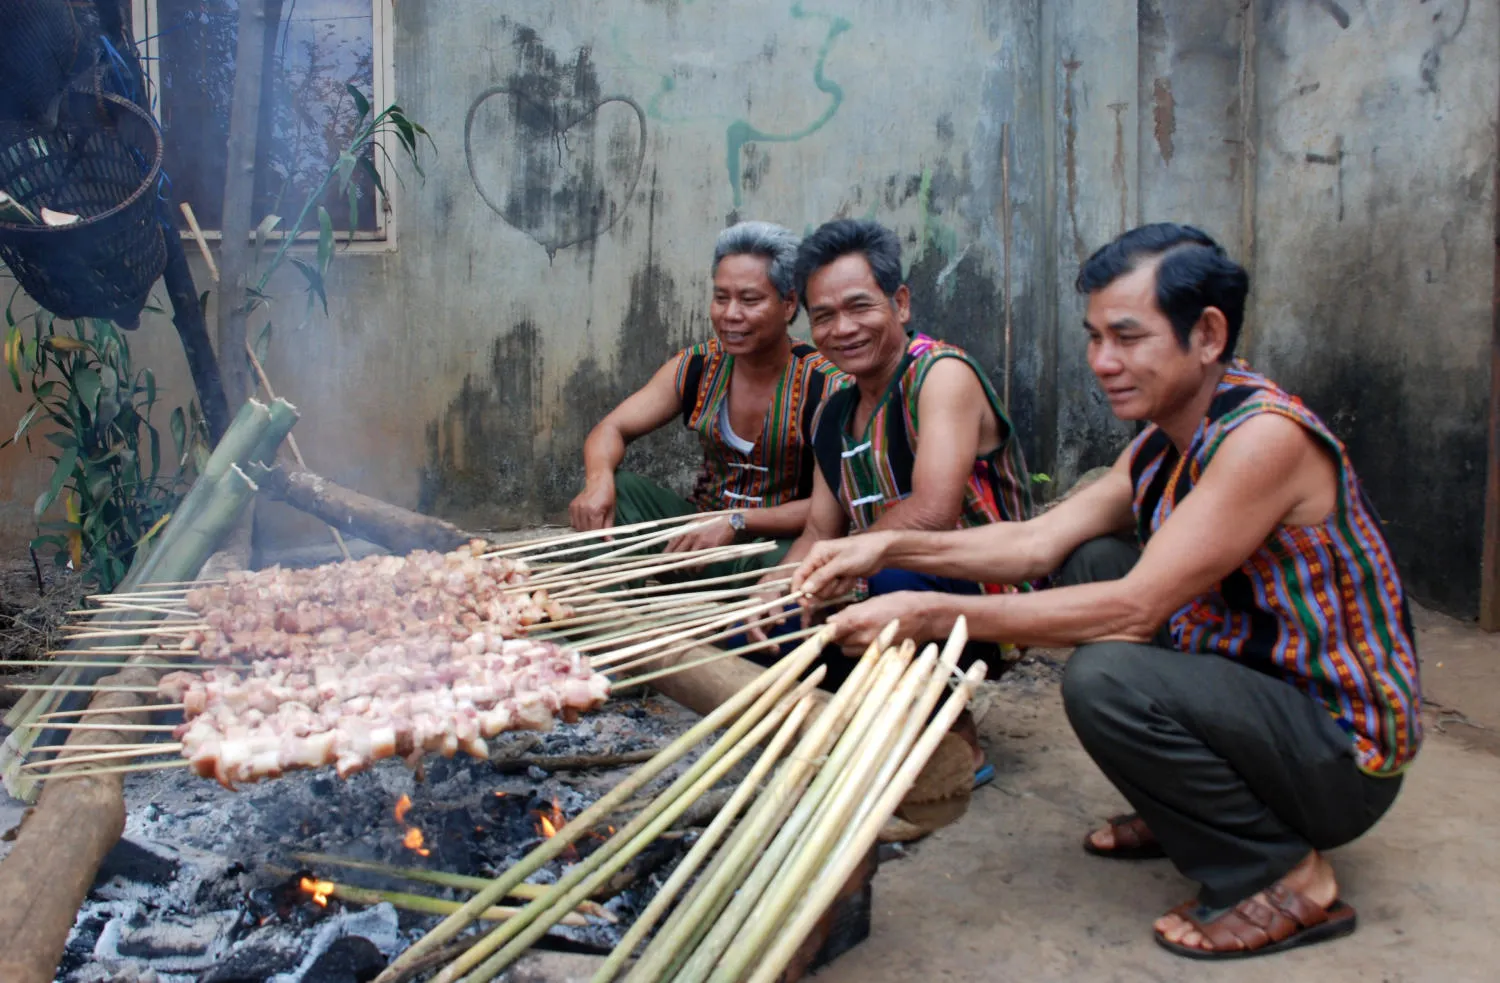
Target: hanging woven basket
(101, 162)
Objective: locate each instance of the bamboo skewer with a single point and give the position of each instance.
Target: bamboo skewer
(161, 728)
(58, 748)
(638, 635)
(531, 546)
(146, 608)
(638, 544)
(710, 659)
(147, 708)
(615, 596)
(634, 569)
(134, 751)
(669, 603)
(113, 770)
(77, 688)
(737, 614)
(124, 663)
(731, 708)
(688, 560)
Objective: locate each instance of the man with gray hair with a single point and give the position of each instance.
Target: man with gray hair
(750, 394)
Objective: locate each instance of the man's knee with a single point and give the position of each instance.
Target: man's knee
(1096, 684)
(1105, 558)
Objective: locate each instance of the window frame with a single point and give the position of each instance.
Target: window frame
(145, 24)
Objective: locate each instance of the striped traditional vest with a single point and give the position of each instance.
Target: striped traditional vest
(1320, 606)
(779, 468)
(873, 472)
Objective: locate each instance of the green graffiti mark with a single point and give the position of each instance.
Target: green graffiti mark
(741, 132)
(930, 228)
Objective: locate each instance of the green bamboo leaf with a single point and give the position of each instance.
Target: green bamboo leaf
(408, 134)
(262, 231)
(360, 102)
(154, 440)
(99, 484)
(368, 166)
(13, 354)
(314, 281)
(25, 424)
(150, 390)
(63, 439)
(59, 476)
(325, 239)
(87, 384)
(262, 346)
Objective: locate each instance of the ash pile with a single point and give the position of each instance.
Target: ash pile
(211, 886)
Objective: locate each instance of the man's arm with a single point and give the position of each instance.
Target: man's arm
(647, 409)
(1268, 471)
(999, 553)
(949, 407)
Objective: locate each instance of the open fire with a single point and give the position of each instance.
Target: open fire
(413, 839)
(320, 890)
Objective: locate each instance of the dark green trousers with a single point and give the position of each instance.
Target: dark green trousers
(639, 499)
(1237, 773)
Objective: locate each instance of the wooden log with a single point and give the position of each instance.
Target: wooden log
(353, 514)
(58, 849)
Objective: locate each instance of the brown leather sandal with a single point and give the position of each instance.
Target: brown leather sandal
(1284, 920)
(1133, 840)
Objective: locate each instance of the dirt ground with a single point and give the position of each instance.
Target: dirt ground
(1007, 893)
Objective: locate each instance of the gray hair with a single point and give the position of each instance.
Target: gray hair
(778, 245)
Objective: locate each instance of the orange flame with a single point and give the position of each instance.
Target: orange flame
(414, 840)
(550, 821)
(320, 890)
(403, 805)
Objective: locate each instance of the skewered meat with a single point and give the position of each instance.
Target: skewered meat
(353, 662)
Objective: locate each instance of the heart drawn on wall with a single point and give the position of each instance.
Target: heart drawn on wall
(542, 167)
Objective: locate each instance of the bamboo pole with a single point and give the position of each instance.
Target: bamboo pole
(791, 666)
(822, 892)
(811, 849)
(747, 898)
(680, 933)
(431, 906)
(689, 865)
(795, 706)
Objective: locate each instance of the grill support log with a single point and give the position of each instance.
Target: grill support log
(397, 529)
(57, 852)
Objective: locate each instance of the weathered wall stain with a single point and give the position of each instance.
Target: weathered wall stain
(555, 193)
(1164, 115)
(1070, 155)
(1432, 58)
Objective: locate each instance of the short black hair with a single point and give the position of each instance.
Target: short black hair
(1194, 273)
(842, 237)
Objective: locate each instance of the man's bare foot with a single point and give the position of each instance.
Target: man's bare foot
(1312, 878)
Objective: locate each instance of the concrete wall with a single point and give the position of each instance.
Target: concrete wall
(550, 262)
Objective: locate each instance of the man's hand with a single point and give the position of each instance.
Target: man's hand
(834, 565)
(920, 614)
(712, 534)
(594, 507)
(768, 592)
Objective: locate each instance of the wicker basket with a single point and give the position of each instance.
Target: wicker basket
(100, 162)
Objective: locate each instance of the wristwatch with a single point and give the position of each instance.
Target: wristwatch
(737, 523)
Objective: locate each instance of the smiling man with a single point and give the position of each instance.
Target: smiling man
(750, 395)
(1248, 678)
(920, 440)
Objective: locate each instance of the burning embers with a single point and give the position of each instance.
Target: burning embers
(320, 890)
(413, 839)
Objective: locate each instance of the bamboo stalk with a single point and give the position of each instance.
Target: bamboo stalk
(134, 751)
(689, 865)
(792, 665)
(145, 708)
(524, 892)
(826, 888)
(533, 545)
(115, 770)
(747, 899)
(680, 934)
(794, 704)
(425, 904)
(208, 257)
(811, 849)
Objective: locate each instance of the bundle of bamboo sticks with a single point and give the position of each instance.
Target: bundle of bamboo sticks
(622, 629)
(778, 852)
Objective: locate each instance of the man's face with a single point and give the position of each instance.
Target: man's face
(1145, 372)
(854, 324)
(747, 313)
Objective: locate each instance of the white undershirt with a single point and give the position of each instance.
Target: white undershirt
(730, 437)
